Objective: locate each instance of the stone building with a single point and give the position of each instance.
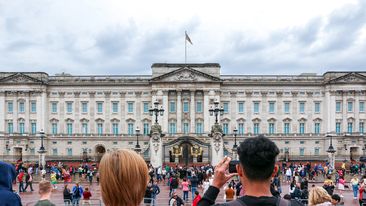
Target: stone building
(86, 116)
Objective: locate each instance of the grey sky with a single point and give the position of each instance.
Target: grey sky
(245, 37)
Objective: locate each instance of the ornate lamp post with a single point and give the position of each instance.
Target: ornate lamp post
(137, 147)
(156, 111)
(42, 150)
(235, 146)
(216, 111)
(331, 151)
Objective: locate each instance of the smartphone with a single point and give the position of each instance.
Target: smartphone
(232, 166)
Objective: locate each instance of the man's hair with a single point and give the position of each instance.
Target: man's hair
(336, 197)
(257, 157)
(44, 187)
(196, 192)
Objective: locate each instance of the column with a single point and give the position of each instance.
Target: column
(122, 112)
(233, 111)
(15, 111)
(27, 112)
(192, 112)
(92, 112)
(3, 108)
(107, 113)
(206, 113)
(165, 123)
(179, 111)
(76, 112)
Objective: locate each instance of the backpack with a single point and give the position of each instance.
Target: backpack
(239, 202)
(77, 192)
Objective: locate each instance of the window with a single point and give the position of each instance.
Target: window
(317, 107)
(271, 128)
(69, 151)
(84, 107)
(271, 108)
(317, 128)
(33, 128)
(338, 127)
(256, 107)
(241, 128)
(338, 106)
(286, 128)
(115, 128)
(316, 151)
(256, 128)
(362, 107)
(241, 107)
(361, 128)
(100, 107)
(225, 128)
(69, 107)
(100, 128)
(33, 107)
(21, 107)
(21, 127)
(146, 107)
(185, 106)
(302, 107)
(199, 107)
(302, 151)
(54, 107)
(114, 107)
(349, 106)
(185, 128)
(130, 107)
(172, 128)
(172, 106)
(146, 128)
(302, 128)
(54, 128)
(54, 151)
(199, 128)
(10, 106)
(350, 127)
(287, 107)
(32, 151)
(84, 128)
(130, 129)
(69, 128)
(226, 107)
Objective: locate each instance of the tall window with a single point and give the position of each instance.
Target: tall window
(21, 127)
(316, 151)
(199, 107)
(130, 107)
(338, 127)
(115, 128)
(317, 128)
(69, 151)
(349, 106)
(69, 128)
(302, 128)
(10, 128)
(10, 106)
(146, 128)
(84, 107)
(225, 128)
(226, 107)
(271, 107)
(33, 128)
(185, 128)
(54, 128)
(256, 128)
(199, 128)
(172, 128)
(172, 106)
(241, 128)
(54, 107)
(185, 106)
(286, 128)
(114, 107)
(100, 128)
(130, 129)
(350, 127)
(271, 128)
(100, 107)
(69, 107)
(287, 107)
(33, 107)
(54, 151)
(256, 107)
(302, 107)
(317, 107)
(338, 106)
(361, 128)
(362, 106)
(241, 107)
(21, 107)
(302, 151)
(146, 107)
(84, 128)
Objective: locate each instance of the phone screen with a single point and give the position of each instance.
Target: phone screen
(232, 166)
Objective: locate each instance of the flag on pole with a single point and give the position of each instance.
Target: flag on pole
(188, 39)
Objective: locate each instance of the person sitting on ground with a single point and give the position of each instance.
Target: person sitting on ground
(123, 178)
(7, 176)
(45, 190)
(336, 199)
(318, 196)
(257, 157)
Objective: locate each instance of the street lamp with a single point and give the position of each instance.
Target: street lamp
(156, 111)
(42, 150)
(235, 133)
(216, 111)
(331, 151)
(137, 147)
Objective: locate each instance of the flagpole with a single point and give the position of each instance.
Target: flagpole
(185, 48)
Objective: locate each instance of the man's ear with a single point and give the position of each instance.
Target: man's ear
(239, 170)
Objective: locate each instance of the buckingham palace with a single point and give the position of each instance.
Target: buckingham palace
(170, 115)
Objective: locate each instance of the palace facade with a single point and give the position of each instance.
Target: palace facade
(85, 116)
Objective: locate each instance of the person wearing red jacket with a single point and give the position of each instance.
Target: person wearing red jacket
(196, 199)
(21, 181)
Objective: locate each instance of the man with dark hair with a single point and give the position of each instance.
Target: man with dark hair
(336, 199)
(257, 157)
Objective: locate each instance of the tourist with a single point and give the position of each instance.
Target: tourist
(7, 176)
(354, 183)
(319, 197)
(67, 195)
(20, 178)
(129, 188)
(341, 183)
(230, 193)
(53, 179)
(175, 200)
(77, 191)
(185, 189)
(194, 184)
(45, 191)
(362, 194)
(206, 185)
(28, 181)
(288, 175)
(196, 199)
(257, 157)
(156, 191)
(336, 199)
(86, 196)
(148, 194)
(174, 182)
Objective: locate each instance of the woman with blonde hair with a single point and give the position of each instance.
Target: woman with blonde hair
(123, 178)
(319, 197)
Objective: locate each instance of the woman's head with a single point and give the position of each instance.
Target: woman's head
(318, 195)
(123, 178)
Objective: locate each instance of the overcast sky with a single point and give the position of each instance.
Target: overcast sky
(244, 36)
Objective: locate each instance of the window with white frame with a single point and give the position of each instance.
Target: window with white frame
(241, 107)
(114, 107)
(33, 106)
(33, 127)
(69, 107)
(185, 127)
(21, 107)
(185, 106)
(350, 106)
(241, 128)
(361, 106)
(130, 107)
(256, 128)
(199, 107)
(146, 107)
(317, 107)
(10, 107)
(84, 107)
(100, 128)
(255, 107)
(338, 106)
(172, 128)
(338, 127)
(301, 107)
(199, 128)
(226, 107)
(317, 127)
(172, 106)
(286, 107)
(54, 107)
(115, 128)
(146, 128)
(271, 108)
(130, 128)
(99, 107)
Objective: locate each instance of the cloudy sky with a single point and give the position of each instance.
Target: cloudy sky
(126, 37)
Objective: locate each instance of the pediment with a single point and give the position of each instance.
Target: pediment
(186, 74)
(20, 78)
(353, 77)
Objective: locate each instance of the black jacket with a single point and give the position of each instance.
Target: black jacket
(7, 176)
